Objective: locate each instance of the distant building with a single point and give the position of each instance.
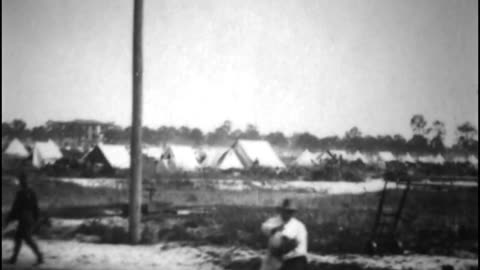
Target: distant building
(88, 130)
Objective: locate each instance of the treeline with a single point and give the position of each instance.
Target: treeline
(427, 138)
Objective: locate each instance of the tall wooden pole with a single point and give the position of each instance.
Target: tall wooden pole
(135, 195)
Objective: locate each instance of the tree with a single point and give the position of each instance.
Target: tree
(437, 145)
(418, 144)
(196, 135)
(184, 131)
(117, 135)
(148, 135)
(305, 141)
(329, 142)
(399, 144)
(171, 134)
(39, 133)
(221, 135)
(183, 135)
(18, 125)
(227, 126)
(251, 132)
(467, 139)
(18, 128)
(166, 134)
(352, 139)
(438, 132)
(369, 144)
(418, 124)
(353, 133)
(438, 129)
(385, 142)
(6, 129)
(236, 134)
(277, 139)
(467, 131)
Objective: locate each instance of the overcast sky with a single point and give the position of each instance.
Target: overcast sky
(314, 65)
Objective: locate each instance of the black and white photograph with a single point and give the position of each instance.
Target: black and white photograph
(239, 134)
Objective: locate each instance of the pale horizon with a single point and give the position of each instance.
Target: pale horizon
(292, 66)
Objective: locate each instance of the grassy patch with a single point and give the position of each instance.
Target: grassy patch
(435, 222)
(55, 194)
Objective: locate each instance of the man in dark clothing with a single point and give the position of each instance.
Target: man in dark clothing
(25, 210)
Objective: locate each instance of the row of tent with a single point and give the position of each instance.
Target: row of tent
(310, 159)
(243, 154)
(41, 153)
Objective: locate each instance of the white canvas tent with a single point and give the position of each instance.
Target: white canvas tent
(306, 159)
(346, 156)
(117, 156)
(459, 159)
(322, 157)
(251, 151)
(385, 156)
(45, 153)
(439, 159)
(199, 154)
(288, 154)
(154, 152)
(428, 159)
(16, 149)
(229, 160)
(407, 158)
(162, 166)
(473, 160)
(360, 156)
(212, 156)
(180, 157)
(343, 154)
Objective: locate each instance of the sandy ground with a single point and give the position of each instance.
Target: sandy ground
(324, 187)
(175, 256)
(74, 255)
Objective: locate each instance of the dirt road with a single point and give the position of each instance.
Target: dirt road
(72, 255)
(78, 256)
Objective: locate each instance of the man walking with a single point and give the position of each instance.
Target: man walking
(26, 211)
(288, 240)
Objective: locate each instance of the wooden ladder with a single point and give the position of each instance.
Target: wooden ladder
(383, 234)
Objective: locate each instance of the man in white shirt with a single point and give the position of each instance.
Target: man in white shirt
(288, 238)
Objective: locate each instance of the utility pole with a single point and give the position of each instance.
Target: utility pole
(135, 195)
